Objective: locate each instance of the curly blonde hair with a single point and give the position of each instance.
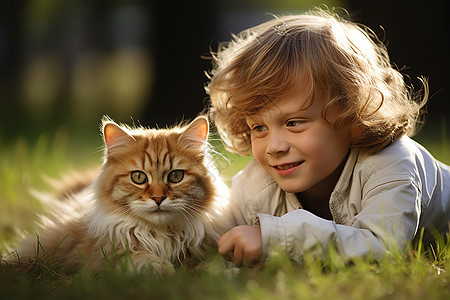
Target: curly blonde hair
(345, 63)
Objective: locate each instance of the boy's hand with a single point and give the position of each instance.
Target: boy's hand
(242, 245)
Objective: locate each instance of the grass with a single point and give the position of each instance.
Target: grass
(417, 273)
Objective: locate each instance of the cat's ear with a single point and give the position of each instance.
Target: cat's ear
(196, 133)
(114, 135)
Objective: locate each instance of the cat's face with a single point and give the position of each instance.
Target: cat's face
(155, 175)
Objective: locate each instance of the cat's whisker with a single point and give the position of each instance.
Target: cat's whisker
(193, 208)
(124, 212)
(199, 204)
(187, 214)
(183, 211)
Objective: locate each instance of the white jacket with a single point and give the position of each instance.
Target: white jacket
(378, 200)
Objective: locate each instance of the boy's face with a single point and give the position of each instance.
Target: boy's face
(298, 148)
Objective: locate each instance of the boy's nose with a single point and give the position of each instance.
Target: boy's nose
(277, 144)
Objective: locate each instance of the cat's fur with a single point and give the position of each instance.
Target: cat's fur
(153, 219)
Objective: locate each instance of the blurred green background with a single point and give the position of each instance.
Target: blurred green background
(65, 63)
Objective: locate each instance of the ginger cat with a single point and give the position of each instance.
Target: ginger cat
(158, 197)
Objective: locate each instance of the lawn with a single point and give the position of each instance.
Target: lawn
(418, 273)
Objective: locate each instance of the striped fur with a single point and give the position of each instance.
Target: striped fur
(161, 224)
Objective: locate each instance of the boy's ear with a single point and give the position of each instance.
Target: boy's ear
(196, 133)
(114, 135)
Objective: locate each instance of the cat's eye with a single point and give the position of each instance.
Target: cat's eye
(139, 177)
(176, 176)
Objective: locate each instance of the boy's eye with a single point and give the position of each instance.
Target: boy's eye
(139, 177)
(259, 130)
(176, 176)
(294, 123)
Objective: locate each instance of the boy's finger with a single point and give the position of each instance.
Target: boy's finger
(223, 238)
(225, 247)
(238, 256)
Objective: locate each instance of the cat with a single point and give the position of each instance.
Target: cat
(157, 200)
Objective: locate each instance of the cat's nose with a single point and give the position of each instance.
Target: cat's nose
(159, 199)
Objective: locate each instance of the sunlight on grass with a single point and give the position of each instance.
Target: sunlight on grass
(24, 166)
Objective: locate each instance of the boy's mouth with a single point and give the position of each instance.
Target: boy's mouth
(287, 169)
(287, 166)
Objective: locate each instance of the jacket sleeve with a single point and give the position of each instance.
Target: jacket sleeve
(389, 216)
